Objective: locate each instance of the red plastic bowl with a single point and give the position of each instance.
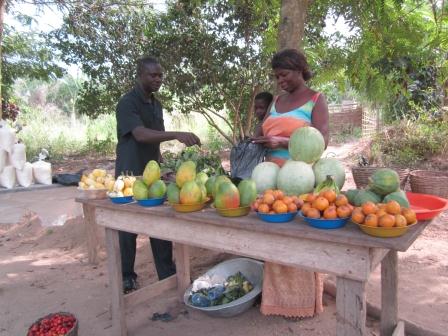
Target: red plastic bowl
(426, 206)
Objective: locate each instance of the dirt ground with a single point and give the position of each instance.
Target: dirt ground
(44, 269)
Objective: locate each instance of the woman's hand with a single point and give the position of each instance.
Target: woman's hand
(272, 142)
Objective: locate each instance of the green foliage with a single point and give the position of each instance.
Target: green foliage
(410, 143)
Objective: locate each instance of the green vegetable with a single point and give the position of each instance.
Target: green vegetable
(328, 183)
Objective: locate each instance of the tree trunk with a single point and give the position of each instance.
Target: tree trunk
(292, 23)
(2, 12)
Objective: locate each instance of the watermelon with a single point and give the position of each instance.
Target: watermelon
(364, 196)
(296, 178)
(399, 196)
(265, 176)
(329, 166)
(306, 144)
(384, 181)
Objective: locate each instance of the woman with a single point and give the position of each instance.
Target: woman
(290, 291)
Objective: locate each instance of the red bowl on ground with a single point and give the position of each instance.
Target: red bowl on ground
(426, 206)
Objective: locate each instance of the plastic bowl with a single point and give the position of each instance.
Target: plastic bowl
(384, 232)
(426, 206)
(251, 269)
(234, 212)
(326, 224)
(189, 207)
(277, 218)
(150, 202)
(121, 200)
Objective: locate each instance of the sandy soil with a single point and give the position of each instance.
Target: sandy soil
(44, 269)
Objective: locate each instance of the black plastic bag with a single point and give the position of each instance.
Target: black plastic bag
(67, 179)
(244, 157)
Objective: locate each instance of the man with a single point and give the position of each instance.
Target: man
(140, 130)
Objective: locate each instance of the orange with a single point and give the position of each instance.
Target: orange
(400, 221)
(410, 215)
(330, 213)
(371, 220)
(329, 194)
(299, 202)
(386, 221)
(280, 207)
(263, 208)
(278, 194)
(292, 207)
(306, 206)
(358, 216)
(268, 191)
(393, 207)
(287, 200)
(313, 213)
(268, 199)
(341, 200)
(381, 212)
(381, 206)
(311, 197)
(369, 208)
(343, 211)
(321, 203)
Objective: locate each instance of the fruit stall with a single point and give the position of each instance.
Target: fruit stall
(296, 215)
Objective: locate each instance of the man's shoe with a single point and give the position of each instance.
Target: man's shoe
(129, 285)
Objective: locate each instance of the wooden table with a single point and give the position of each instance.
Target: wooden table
(347, 253)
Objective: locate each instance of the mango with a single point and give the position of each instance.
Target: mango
(172, 193)
(151, 172)
(185, 173)
(248, 192)
(140, 190)
(203, 191)
(227, 196)
(157, 189)
(220, 179)
(190, 193)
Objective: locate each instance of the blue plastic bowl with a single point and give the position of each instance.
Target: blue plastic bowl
(277, 218)
(121, 200)
(325, 224)
(150, 202)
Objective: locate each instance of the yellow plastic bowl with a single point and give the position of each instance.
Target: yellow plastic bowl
(189, 207)
(235, 212)
(384, 232)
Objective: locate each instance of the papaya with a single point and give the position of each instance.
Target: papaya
(384, 181)
(190, 193)
(185, 173)
(140, 190)
(399, 196)
(220, 179)
(201, 177)
(172, 193)
(209, 185)
(157, 189)
(248, 192)
(151, 172)
(227, 196)
(364, 196)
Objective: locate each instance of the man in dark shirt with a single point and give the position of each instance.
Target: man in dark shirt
(140, 130)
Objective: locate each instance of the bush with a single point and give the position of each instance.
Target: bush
(410, 143)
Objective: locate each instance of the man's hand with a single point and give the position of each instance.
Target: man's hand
(272, 142)
(188, 138)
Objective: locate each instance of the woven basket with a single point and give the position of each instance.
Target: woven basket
(361, 175)
(71, 332)
(429, 182)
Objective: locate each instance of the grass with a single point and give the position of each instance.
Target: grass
(63, 136)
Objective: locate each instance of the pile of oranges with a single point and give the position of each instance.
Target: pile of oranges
(389, 214)
(276, 202)
(326, 205)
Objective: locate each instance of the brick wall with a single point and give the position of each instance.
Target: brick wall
(345, 117)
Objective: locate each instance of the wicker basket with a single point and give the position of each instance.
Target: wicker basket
(361, 175)
(429, 182)
(71, 332)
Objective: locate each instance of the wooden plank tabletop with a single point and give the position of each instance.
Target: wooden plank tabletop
(349, 234)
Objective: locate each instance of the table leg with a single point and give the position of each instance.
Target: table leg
(350, 307)
(389, 296)
(91, 233)
(182, 260)
(116, 283)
